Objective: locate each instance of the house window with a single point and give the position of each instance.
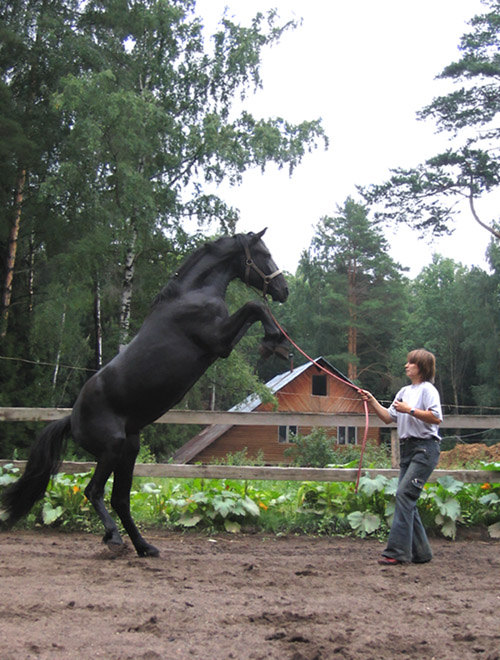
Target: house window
(319, 385)
(347, 435)
(287, 433)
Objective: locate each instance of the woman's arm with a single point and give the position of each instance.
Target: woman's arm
(426, 416)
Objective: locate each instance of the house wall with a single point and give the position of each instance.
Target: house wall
(296, 396)
(260, 438)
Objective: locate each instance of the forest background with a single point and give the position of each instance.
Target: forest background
(117, 118)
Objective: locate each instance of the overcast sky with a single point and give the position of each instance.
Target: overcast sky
(365, 68)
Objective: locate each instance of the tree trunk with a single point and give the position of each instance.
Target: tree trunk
(31, 275)
(126, 298)
(59, 352)
(12, 250)
(213, 391)
(98, 325)
(352, 339)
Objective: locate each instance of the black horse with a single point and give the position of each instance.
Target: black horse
(188, 328)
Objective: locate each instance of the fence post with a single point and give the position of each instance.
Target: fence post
(394, 448)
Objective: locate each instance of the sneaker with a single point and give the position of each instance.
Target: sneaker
(389, 561)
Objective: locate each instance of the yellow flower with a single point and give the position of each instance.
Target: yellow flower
(76, 489)
(486, 486)
(263, 506)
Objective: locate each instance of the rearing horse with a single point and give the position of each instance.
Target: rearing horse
(188, 328)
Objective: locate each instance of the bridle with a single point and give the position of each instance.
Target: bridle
(250, 264)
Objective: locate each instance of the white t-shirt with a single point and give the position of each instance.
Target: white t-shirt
(423, 396)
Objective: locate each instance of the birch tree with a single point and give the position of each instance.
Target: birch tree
(153, 122)
(38, 47)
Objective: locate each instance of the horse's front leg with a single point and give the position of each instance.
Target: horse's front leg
(120, 496)
(232, 329)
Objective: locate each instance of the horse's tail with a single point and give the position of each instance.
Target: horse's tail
(43, 462)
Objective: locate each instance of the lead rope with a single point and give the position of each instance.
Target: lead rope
(330, 373)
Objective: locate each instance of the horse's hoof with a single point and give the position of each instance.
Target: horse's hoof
(112, 538)
(265, 351)
(148, 551)
(282, 352)
(117, 550)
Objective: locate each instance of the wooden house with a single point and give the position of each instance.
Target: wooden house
(307, 388)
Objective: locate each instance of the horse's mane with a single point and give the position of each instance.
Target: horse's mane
(171, 289)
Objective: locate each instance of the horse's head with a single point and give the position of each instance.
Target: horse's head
(259, 268)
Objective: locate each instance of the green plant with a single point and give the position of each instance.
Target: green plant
(8, 474)
(65, 502)
(276, 506)
(312, 450)
(371, 506)
(451, 502)
(241, 458)
(215, 507)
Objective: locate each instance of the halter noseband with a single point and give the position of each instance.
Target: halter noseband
(250, 264)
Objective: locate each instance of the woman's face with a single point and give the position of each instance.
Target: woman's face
(412, 371)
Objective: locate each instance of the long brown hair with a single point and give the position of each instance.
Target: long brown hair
(426, 363)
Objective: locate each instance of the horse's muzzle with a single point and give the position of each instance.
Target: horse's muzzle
(279, 289)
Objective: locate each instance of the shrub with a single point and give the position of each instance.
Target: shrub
(313, 450)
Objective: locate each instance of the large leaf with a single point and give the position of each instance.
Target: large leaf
(232, 526)
(494, 530)
(489, 498)
(250, 506)
(449, 507)
(224, 506)
(448, 526)
(50, 514)
(6, 479)
(189, 521)
(491, 467)
(370, 486)
(391, 486)
(450, 484)
(151, 488)
(200, 497)
(389, 511)
(364, 522)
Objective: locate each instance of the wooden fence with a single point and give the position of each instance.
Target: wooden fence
(324, 420)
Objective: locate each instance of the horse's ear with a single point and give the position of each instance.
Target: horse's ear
(256, 237)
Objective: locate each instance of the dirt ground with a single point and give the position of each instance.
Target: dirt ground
(244, 597)
(462, 455)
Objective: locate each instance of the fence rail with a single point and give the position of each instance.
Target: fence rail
(265, 473)
(256, 418)
(272, 473)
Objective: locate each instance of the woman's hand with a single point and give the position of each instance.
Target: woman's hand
(379, 410)
(367, 396)
(402, 406)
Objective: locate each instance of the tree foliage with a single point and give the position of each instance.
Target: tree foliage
(427, 195)
(116, 117)
(347, 300)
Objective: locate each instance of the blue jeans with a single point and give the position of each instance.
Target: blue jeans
(407, 540)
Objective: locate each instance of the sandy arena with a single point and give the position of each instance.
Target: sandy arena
(242, 597)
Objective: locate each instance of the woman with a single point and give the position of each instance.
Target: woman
(417, 411)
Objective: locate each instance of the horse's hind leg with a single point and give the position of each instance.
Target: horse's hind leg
(94, 492)
(120, 497)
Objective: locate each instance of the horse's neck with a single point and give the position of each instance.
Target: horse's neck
(209, 274)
